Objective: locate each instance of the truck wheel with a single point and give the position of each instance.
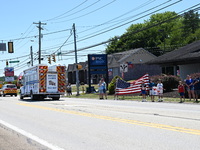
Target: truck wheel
(41, 97)
(55, 98)
(32, 96)
(21, 97)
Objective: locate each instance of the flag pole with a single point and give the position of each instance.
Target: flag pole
(115, 88)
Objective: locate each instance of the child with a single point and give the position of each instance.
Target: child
(160, 90)
(181, 90)
(143, 91)
(151, 90)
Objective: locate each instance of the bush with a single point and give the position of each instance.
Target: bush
(112, 85)
(170, 82)
(195, 75)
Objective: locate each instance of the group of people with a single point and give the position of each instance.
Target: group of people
(102, 89)
(192, 86)
(153, 90)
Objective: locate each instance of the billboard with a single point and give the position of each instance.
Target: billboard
(97, 59)
(97, 65)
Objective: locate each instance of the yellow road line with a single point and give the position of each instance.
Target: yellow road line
(135, 122)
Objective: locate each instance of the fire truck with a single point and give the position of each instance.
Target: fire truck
(41, 81)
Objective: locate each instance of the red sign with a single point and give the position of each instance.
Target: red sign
(9, 71)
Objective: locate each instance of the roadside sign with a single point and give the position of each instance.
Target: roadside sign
(9, 71)
(124, 67)
(15, 61)
(9, 79)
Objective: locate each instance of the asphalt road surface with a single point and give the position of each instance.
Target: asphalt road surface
(89, 124)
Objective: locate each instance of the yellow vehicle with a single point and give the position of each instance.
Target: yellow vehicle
(9, 89)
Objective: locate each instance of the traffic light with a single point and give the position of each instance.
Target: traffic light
(10, 47)
(78, 66)
(49, 59)
(54, 58)
(6, 63)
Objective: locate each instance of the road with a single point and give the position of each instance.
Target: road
(89, 124)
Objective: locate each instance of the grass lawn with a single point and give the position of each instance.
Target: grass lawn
(136, 97)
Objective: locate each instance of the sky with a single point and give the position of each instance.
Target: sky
(95, 21)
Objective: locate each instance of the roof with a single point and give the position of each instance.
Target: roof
(114, 60)
(117, 58)
(184, 55)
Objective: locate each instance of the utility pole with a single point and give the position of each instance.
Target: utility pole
(76, 60)
(31, 56)
(40, 28)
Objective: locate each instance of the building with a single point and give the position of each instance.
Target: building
(135, 60)
(183, 61)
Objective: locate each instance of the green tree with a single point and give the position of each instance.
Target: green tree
(153, 33)
(191, 22)
(159, 34)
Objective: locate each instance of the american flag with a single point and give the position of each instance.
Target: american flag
(124, 88)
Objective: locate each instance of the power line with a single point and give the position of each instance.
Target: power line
(95, 45)
(88, 12)
(105, 30)
(57, 17)
(79, 11)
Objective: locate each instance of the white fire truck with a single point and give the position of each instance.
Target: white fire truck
(41, 81)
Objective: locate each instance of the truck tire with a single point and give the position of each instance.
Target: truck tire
(21, 97)
(33, 97)
(41, 97)
(55, 98)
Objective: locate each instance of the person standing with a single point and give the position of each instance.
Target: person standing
(69, 90)
(181, 90)
(101, 86)
(104, 88)
(151, 90)
(143, 91)
(160, 90)
(189, 82)
(197, 88)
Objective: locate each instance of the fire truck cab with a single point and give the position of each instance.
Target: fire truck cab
(41, 81)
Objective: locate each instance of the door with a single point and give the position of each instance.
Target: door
(52, 83)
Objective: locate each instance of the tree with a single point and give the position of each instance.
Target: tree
(191, 22)
(162, 33)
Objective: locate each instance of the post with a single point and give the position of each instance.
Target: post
(31, 56)
(39, 51)
(76, 60)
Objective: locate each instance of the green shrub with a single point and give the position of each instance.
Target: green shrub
(112, 85)
(170, 82)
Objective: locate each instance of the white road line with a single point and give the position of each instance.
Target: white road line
(33, 137)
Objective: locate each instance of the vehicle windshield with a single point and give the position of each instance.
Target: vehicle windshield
(11, 86)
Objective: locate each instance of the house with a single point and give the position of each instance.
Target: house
(183, 61)
(135, 60)
(71, 73)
